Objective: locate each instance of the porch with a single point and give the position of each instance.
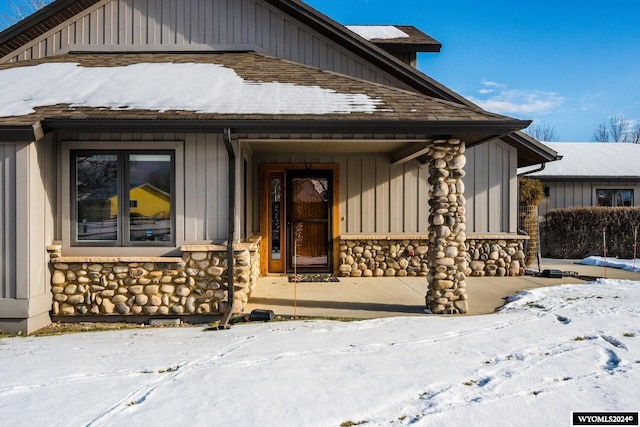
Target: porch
(376, 297)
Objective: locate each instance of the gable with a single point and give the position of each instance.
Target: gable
(198, 25)
(286, 29)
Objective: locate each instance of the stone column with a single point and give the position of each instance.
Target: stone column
(447, 255)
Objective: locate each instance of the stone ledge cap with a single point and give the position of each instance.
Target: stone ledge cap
(114, 259)
(505, 236)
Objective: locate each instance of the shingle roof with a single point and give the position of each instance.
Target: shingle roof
(417, 40)
(397, 104)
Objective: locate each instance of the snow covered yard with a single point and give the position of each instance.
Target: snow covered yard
(550, 351)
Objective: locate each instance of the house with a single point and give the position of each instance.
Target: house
(590, 174)
(240, 106)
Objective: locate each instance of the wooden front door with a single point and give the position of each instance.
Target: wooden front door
(309, 195)
(298, 219)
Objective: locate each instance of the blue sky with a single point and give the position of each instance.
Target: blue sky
(572, 64)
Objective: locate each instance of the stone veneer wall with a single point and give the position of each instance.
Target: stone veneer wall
(373, 256)
(491, 257)
(195, 283)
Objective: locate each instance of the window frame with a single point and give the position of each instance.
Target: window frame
(123, 223)
(615, 191)
(66, 187)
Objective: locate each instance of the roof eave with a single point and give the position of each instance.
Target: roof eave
(530, 151)
(478, 130)
(408, 47)
(590, 178)
(17, 134)
(34, 19)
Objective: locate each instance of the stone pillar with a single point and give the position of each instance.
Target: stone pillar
(447, 255)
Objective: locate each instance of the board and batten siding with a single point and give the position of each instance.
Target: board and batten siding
(26, 219)
(375, 197)
(567, 194)
(204, 181)
(174, 25)
(8, 188)
(491, 188)
(26, 228)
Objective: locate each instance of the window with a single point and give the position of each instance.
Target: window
(122, 197)
(611, 197)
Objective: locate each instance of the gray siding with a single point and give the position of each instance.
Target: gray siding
(491, 188)
(375, 197)
(33, 211)
(378, 198)
(165, 25)
(8, 221)
(566, 194)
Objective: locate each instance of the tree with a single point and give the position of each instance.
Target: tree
(542, 132)
(618, 129)
(601, 134)
(20, 9)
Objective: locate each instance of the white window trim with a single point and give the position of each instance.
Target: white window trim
(64, 189)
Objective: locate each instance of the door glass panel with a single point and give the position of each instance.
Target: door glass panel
(310, 221)
(150, 197)
(96, 207)
(276, 213)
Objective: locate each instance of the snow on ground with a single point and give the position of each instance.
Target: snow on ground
(205, 88)
(623, 264)
(550, 351)
(382, 32)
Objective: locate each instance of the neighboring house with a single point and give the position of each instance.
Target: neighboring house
(591, 174)
(242, 109)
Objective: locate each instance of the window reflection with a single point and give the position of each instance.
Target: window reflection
(96, 185)
(149, 197)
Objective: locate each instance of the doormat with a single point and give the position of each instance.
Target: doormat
(308, 278)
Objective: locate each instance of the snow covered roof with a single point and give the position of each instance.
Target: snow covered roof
(592, 159)
(383, 32)
(397, 37)
(203, 88)
(207, 86)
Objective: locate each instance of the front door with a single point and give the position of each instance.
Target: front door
(297, 219)
(308, 220)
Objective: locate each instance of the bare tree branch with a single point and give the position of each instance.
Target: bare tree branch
(601, 134)
(634, 134)
(618, 128)
(542, 132)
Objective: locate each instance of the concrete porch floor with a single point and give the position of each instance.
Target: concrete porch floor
(368, 298)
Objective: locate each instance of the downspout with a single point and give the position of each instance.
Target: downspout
(224, 323)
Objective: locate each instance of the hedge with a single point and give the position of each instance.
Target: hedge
(577, 232)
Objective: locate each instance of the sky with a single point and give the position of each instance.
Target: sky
(549, 352)
(569, 64)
